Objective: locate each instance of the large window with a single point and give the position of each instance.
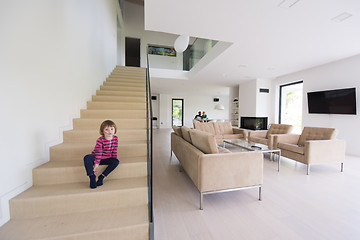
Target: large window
(177, 112)
(291, 105)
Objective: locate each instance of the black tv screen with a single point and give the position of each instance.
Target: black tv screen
(338, 101)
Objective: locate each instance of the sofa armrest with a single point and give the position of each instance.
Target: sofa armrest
(286, 138)
(258, 134)
(239, 131)
(230, 170)
(319, 151)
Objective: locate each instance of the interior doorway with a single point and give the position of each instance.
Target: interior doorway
(132, 52)
(177, 112)
(291, 101)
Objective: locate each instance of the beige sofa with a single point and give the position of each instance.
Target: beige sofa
(267, 136)
(315, 145)
(221, 130)
(214, 169)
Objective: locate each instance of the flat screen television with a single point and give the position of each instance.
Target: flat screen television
(338, 101)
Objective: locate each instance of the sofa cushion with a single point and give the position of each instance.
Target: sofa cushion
(186, 133)
(291, 148)
(232, 136)
(205, 126)
(222, 128)
(279, 129)
(177, 130)
(204, 141)
(316, 133)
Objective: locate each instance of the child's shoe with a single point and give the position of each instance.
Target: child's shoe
(93, 181)
(100, 180)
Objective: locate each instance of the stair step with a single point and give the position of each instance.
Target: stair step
(123, 88)
(120, 93)
(47, 200)
(124, 78)
(109, 114)
(129, 223)
(61, 172)
(129, 69)
(90, 136)
(116, 105)
(83, 123)
(141, 72)
(125, 84)
(128, 99)
(69, 151)
(129, 74)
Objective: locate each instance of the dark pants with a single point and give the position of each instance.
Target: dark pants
(89, 164)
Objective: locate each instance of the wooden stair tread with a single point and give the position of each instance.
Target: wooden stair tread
(124, 123)
(71, 164)
(81, 188)
(76, 225)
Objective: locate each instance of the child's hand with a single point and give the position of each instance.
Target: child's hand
(96, 168)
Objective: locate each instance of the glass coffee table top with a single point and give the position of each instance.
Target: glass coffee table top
(251, 146)
(257, 147)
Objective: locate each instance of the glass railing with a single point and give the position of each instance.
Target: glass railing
(149, 131)
(196, 52)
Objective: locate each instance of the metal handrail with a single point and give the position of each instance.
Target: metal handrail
(149, 117)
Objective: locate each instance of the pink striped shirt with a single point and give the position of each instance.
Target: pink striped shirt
(105, 148)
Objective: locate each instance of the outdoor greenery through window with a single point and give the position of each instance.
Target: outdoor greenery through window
(291, 96)
(177, 112)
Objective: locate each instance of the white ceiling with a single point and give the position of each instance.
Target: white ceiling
(268, 40)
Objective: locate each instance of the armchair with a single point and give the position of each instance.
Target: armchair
(315, 145)
(267, 136)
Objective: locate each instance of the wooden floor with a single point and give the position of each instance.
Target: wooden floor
(322, 205)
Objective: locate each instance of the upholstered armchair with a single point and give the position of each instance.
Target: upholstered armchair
(267, 136)
(315, 145)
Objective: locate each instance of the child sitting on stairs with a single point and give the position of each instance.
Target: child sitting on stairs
(104, 153)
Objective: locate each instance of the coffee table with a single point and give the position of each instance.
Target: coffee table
(257, 147)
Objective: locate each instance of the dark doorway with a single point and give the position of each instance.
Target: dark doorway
(132, 52)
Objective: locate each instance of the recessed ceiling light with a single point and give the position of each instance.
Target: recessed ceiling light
(341, 17)
(288, 3)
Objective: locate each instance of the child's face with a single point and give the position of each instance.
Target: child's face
(109, 132)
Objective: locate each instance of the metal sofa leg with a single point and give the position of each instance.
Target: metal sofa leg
(201, 200)
(308, 169)
(260, 199)
(342, 167)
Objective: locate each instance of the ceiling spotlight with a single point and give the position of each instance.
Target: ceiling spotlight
(341, 17)
(288, 3)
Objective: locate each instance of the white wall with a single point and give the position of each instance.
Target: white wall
(247, 99)
(340, 74)
(192, 104)
(256, 104)
(134, 27)
(264, 106)
(54, 55)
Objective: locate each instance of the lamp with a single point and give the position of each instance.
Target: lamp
(181, 43)
(219, 106)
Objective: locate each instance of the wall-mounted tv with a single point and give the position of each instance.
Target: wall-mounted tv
(338, 101)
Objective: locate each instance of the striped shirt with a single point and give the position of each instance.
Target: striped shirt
(105, 149)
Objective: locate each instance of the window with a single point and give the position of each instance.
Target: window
(177, 112)
(291, 105)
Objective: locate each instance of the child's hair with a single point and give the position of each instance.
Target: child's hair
(107, 123)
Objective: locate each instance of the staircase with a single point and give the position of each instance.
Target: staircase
(60, 205)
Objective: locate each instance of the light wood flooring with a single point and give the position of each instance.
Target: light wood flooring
(322, 205)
